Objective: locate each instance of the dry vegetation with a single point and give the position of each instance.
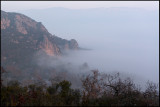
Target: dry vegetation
(98, 90)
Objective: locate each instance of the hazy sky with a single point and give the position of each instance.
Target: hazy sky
(25, 5)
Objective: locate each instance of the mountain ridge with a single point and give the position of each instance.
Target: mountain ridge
(22, 37)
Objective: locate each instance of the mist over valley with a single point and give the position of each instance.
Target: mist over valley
(83, 53)
(121, 39)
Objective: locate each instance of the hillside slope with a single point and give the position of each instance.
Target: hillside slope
(23, 37)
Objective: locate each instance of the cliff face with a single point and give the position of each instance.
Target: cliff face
(22, 36)
(48, 47)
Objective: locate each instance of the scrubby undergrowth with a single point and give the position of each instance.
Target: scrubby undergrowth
(98, 90)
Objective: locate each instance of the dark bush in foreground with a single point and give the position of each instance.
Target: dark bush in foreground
(98, 90)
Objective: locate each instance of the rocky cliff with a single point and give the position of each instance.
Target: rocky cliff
(22, 37)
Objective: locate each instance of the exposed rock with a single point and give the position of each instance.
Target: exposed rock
(73, 44)
(22, 37)
(49, 48)
(5, 23)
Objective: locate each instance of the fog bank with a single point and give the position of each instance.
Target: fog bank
(124, 40)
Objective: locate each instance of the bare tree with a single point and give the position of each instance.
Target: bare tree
(151, 94)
